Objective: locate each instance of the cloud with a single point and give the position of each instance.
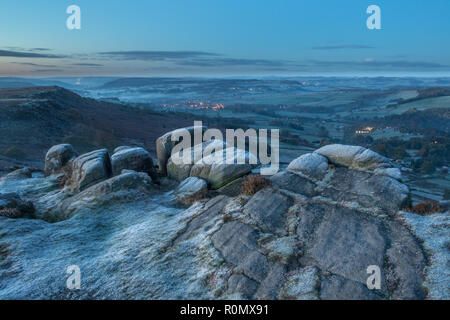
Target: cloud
(371, 63)
(155, 55)
(34, 64)
(227, 62)
(87, 64)
(40, 49)
(47, 70)
(348, 46)
(21, 54)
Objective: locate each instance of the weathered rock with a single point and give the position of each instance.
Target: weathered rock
(179, 165)
(242, 285)
(268, 208)
(89, 169)
(121, 148)
(339, 288)
(390, 172)
(136, 159)
(378, 192)
(232, 189)
(218, 172)
(301, 284)
(128, 186)
(311, 164)
(352, 156)
(293, 182)
(13, 206)
(345, 242)
(57, 157)
(24, 173)
(238, 244)
(190, 190)
(433, 232)
(164, 145)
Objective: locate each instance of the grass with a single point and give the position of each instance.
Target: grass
(253, 184)
(426, 207)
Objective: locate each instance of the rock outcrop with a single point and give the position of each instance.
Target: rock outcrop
(311, 164)
(221, 171)
(165, 144)
(89, 169)
(57, 157)
(136, 159)
(310, 234)
(13, 206)
(191, 190)
(352, 156)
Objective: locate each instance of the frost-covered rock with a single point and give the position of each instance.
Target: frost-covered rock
(57, 157)
(311, 164)
(190, 190)
(89, 169)
(352, 156)
(390, 172)
(180, 164)
(301, 284)
(128, 186)
(136, 159)
(301, 238)
(18, 174)
(164, 145)
(434, 231)
(121, 148)
(218, 172)
(13, 206)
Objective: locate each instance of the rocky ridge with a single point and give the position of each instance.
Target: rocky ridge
(137, 234)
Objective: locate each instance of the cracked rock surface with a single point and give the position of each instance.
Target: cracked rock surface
(311, 234)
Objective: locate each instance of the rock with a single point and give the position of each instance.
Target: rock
(13, 206)
(338, 288)
(311, 164)
(301, 284)
(128, 186)
(190, 190)
(57, 157)
(24, 173)
(390, 172)
(293, 182)
(238, 244)
(89, 169)
(268, 207)
(121, 148)
(374, 191)
(179, 165)
(271, 285)
(345, 242)
(164, 146)
(218, 172)
(352, 156)
(232, 189)
(136, 159)
(433, 232)
(244, 286)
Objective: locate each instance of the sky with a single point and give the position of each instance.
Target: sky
(224, 38)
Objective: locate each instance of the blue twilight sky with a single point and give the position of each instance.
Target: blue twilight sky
(224, 38)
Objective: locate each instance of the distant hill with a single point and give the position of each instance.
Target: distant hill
(34, 119)
(426, 121)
